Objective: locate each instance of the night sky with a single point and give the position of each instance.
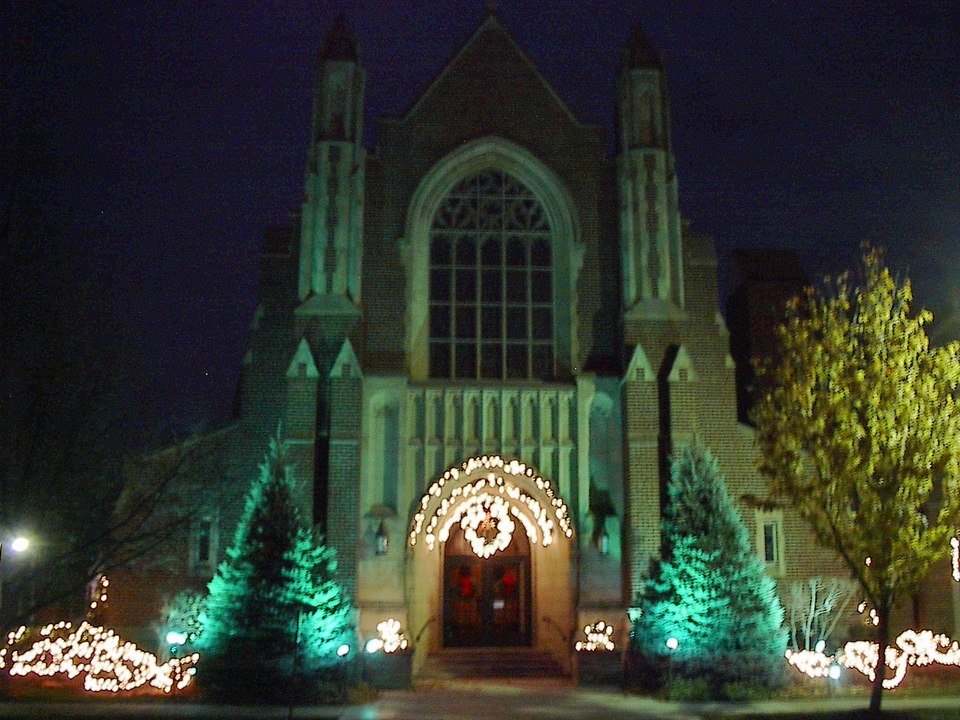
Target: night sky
(178, 131)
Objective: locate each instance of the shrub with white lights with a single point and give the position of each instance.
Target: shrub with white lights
(276, 619)
(709, 592)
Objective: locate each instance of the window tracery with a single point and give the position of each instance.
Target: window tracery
(491, 282)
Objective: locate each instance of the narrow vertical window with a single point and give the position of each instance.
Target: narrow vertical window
(203, 545)
(770, 550)
(770, 544)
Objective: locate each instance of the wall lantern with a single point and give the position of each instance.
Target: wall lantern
(381, 539)
(602, 540)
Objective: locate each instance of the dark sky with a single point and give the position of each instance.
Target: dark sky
(177, 131)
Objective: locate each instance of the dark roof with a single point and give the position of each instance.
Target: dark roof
(771, 264)
(639, 52)
(340, 43)
(277, 240)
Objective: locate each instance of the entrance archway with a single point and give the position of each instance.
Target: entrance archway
(486, 601)
(501, 527)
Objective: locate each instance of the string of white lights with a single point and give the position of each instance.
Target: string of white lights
(917, 648)
(599, 638)
(106, 662)
(497, 468)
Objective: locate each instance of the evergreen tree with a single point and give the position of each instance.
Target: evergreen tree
(709, 590)
(275, 615)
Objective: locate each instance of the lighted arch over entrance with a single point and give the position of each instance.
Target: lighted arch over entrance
(539, 552)
(484, 485)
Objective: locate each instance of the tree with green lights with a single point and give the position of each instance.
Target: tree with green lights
(709, 590)
(275, 615)
(861, 433)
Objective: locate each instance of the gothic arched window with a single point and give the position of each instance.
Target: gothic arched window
(491, 282)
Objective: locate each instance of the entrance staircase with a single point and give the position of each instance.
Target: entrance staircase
(492, 663)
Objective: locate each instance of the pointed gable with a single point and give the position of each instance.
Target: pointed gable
(639, 51)
(486, 76)
(346, 365)
(303, 364)
(639, 367)
(682, 369)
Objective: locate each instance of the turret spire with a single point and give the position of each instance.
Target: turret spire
(639, 51)
(340, 43)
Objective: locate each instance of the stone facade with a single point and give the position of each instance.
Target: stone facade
(489, 284)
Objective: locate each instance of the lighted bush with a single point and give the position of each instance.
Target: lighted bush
(90, 658)
(708, 592)
(275, 617)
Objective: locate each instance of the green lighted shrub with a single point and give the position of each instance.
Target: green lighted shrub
(275, 615)
(708, 591)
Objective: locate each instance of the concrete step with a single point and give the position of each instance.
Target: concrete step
(479, 663)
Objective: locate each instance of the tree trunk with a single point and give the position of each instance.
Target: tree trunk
(883, 639)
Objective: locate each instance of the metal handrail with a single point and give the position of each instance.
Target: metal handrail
(416, 640)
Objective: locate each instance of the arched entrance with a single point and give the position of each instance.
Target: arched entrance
(490, 548)
(486, 601)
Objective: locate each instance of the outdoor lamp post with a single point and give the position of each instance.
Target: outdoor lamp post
(672, 645)
(18, 545)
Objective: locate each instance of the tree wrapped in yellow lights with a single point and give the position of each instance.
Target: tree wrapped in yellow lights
(861, 433)
(275, 617)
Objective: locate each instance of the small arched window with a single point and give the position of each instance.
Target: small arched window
(491, 282)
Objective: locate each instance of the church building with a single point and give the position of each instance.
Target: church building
(482, 338)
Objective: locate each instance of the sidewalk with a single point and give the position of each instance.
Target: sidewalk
(486, 700)
(542, 700)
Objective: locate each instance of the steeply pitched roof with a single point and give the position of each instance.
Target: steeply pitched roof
(490, 24)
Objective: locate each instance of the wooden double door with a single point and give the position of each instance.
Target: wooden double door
(486, 601)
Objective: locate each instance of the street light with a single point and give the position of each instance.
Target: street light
(18, 545)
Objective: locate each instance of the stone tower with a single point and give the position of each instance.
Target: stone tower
(650, 233)
(331, 231)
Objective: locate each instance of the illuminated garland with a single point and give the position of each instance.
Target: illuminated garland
(484, 511)
(99, 599)
(874, 618)
(475, 493)
(810, 662)
(391, 638)
(955, 545)
(911, 648)
(106, 662)
(523, 503)
(599, 638)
